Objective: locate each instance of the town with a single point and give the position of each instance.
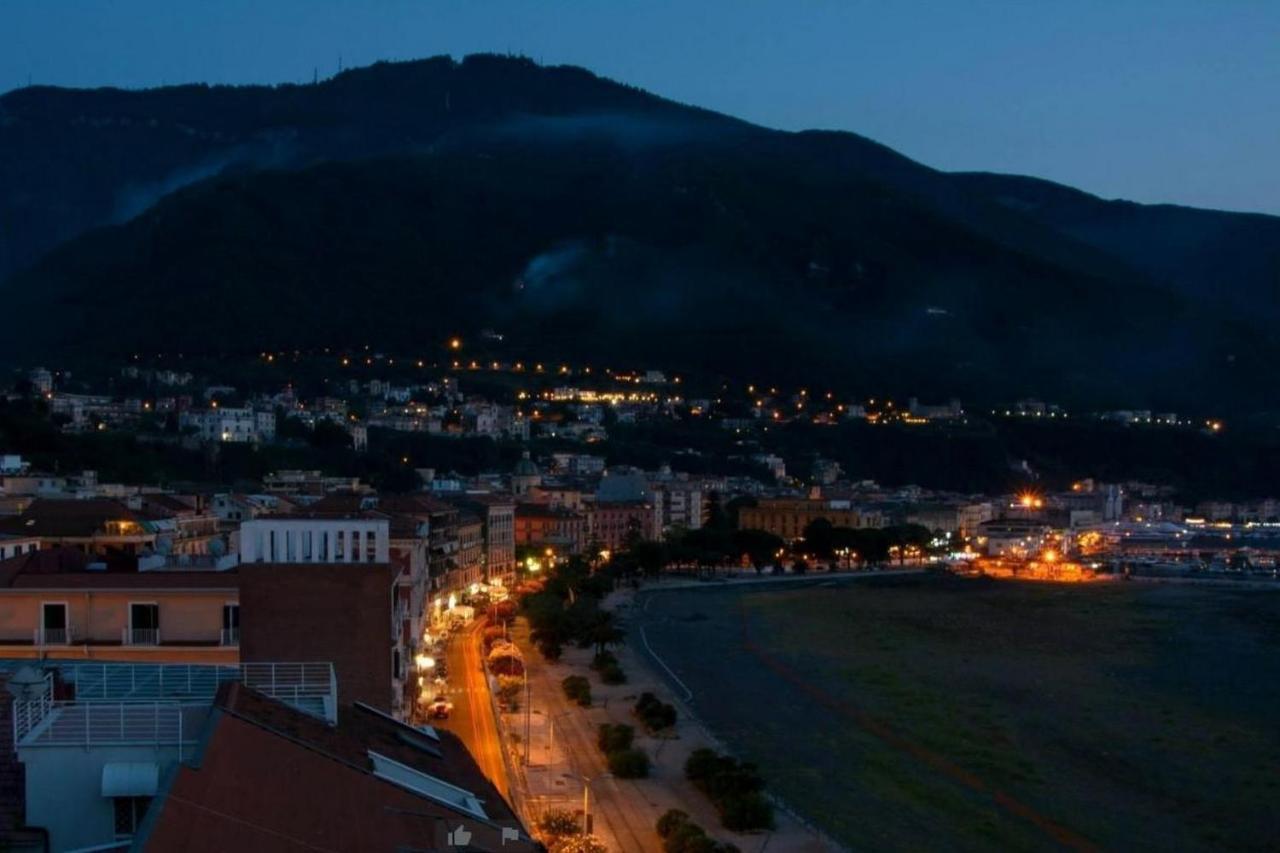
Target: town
(416, 621)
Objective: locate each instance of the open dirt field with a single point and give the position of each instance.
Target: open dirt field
(937, 713)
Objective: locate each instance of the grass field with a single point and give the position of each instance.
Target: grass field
(935, 713)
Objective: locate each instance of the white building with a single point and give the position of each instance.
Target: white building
(303, 539)
(93, 763)
(231, 424)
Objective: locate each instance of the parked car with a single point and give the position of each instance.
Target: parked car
(440, 708)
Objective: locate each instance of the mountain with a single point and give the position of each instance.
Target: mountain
(404, 202)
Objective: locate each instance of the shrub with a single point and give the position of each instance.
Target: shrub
(577, 689)
(629, 764)
(734, 787)
(559, 822)
(701, 765)
(550, 650)
(579, 844)
(745, 812)
(509, 689)
(504, 659)
(493, 634)
(613, 674)
(615, 737)
(671, 820)
(604, 659)
(655, 714)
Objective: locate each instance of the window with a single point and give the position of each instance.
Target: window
(396, 671)
(129, 813)
(231, 624)
(53, 622)
(144, 624)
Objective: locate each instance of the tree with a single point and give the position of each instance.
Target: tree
(558, 823)
(760, 546)
(818, 537)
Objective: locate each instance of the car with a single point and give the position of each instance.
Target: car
(440, 708)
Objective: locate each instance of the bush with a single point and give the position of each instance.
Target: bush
(745, 812)
(655, 714)
(559, 822)
(701, 765)
(734, 787)
(550, 650)
(604, 659)
(577, 689)
(615, 737)
(579, 844)
(509, 689)
(493, 634)
(629, 764)
(613, 674)
(671, 820)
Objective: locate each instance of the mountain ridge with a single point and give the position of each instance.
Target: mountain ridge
(939, 276)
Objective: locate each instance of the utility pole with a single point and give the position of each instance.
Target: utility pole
(528, 710)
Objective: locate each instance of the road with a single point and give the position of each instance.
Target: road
(472, 718)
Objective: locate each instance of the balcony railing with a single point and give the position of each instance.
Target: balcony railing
(230, 636)
(53, 636)
(142, 636)
(157, 703)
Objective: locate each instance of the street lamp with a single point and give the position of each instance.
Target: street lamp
(586, 799)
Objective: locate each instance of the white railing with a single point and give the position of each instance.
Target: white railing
(119, 687)
(142, 636)
(289, 680)
(27, 713)
(53, 636)
(230, 636)
(107, 723)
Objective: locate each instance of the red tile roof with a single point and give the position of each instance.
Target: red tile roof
(57, 517)
(270, 778)
(67, 568)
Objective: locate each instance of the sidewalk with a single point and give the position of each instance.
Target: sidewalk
(563, 749)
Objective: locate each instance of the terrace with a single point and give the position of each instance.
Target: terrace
(154, 704)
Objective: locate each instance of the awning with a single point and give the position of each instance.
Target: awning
(130, 778)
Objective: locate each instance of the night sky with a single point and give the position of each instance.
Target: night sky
(1158, 101)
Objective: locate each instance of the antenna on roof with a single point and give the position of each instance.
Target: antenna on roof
(339, 63)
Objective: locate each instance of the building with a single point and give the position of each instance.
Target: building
(1012, 537)
(788, 517)
(230, 424)
(497, 516)
(11, 545)
(334, 612)
(315, 538)
(60, 604)
(95, 742)
(100, 527)
(613, 524)
(526, 476)
(540, 526)
(367, 784)
(469, 566)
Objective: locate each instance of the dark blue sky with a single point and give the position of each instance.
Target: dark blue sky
(1162, 100)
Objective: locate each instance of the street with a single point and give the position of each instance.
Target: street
(472, 718)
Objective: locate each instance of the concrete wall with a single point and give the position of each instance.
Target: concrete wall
(185, 615)
(64, 789)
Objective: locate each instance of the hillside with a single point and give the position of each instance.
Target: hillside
(402, 203)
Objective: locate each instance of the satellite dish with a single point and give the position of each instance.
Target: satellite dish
(217, 548)
(26, 684)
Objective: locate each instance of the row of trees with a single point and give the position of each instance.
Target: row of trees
(567, 610)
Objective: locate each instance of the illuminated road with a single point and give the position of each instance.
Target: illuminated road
(472, 717)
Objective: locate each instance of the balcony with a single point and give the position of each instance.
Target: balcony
(52, 636)
(230, 636)
(141, 637)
